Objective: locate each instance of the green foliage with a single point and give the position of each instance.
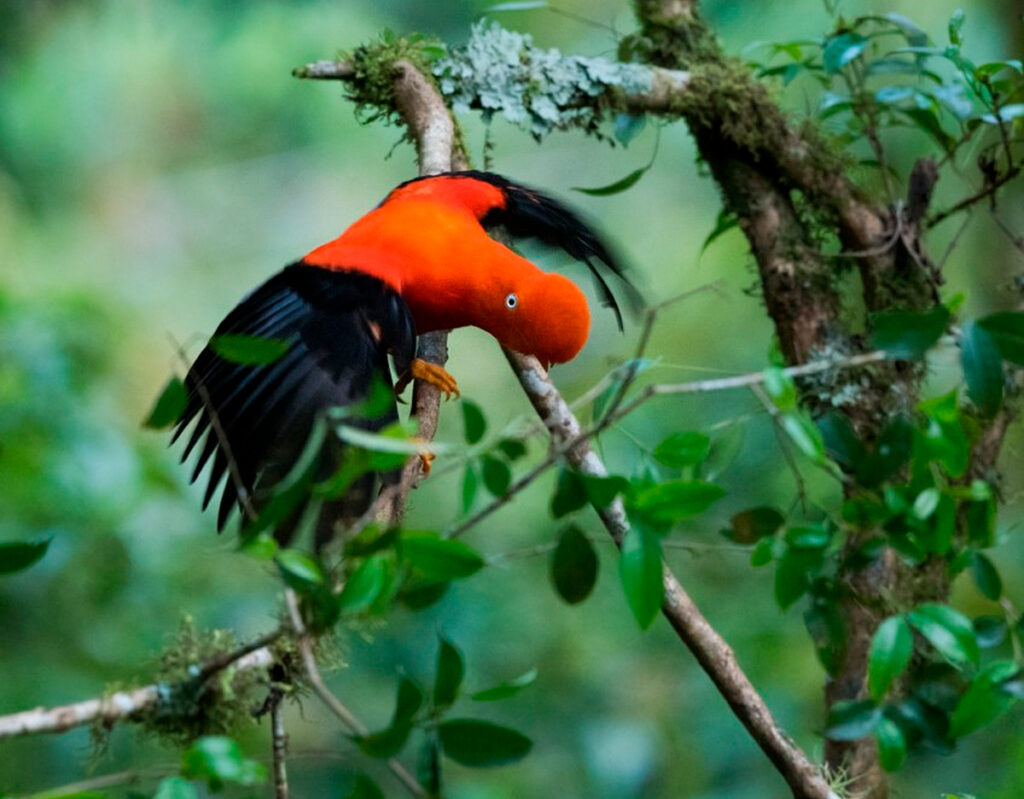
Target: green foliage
(908, 334)
(16, 556)
(574, 565)
(168, 406)
(480, 743)
(889, 655)
(219, 760)
(249, 350)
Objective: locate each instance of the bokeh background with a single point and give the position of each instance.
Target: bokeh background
(156, 162)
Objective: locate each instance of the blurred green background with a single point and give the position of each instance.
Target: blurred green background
(157, 161)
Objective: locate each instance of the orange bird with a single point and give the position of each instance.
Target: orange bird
(421, 261)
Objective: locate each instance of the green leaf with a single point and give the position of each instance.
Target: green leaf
(911, 32)
(601, 491)
(299, 570)
(473, 420)
(926, 503)
(365, 788)
(249, 350)
(219, 760)
(990, 631)
(642, 575)
(808, 537)
(169, 405)
(892, 745)
(983, 702)
(727, 220)
(793, 574)
(754, 524)
(469, 487)
(618, 186)
(841, 50)
(512, 448)
(949, 631)
(986, 575)
(364, 585)
(1007, 330)
(497, 475)
(18, 555)
(384, 744)
(841, 441)
(683, 449)
(983, 368)
(1005, 114)
(763, 552)
(569, 496)
(627, 126)
(671, 502)
(907, 335)
(574, 566)
(828, 632)
(889, 655)
(849, 721)
(506, 689)
(175, 788)
(956, 24)
(450, 671)
(479, 743)
(419, 593)
(803, 432)
(439, 558)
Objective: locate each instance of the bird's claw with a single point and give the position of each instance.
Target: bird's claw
(430, 373)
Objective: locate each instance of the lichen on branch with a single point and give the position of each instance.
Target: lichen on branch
(502, 71)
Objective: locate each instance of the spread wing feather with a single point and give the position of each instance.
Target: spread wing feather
(253, 421)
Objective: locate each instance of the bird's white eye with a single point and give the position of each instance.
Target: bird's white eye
(511, 301)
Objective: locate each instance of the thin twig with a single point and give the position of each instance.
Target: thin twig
(562, 447)
(335, 705)
(279, 748)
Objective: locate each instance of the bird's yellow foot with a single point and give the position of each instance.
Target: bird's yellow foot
(430, 373)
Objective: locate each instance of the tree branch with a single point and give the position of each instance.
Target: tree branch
(711, 651)
(129, 705)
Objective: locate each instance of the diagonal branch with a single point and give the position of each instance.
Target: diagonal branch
(711, 651)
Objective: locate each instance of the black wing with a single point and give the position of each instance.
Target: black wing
(340, 327)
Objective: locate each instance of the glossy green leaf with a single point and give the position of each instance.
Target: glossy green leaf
(569, 496)
(827, 629)
(1007, 330)
(438, 558)
(473, 421)
(841, 50)
(641, 572)
(983, 368)
(364, 585)
(506, 689)
(497, 475)
(804, 434)
(892, 744)
(948, 630)
(169, 405)
(889, 655)
(384, 744)
(956, 24)
(450, 671)
(300, 571)
(574, 565)
(983, 702)
(479, 743)
(990, 631)
(842, 444)
(673, 501)
(619, 186)
(249, 350)
(601, 491)
(18, 555)
(727, 220)
(763, 552)
(907, 335)
(750, 526)
(850, 721)
(911, 32)
(926, 503)
(512, 448)
(986, 576)
(683, 449)
(793, 574)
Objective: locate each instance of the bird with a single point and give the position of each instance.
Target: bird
(423, 260)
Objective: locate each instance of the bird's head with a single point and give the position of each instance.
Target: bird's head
(545, 315)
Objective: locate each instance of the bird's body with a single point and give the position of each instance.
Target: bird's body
(420, 261)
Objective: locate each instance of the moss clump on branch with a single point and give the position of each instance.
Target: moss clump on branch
(501, 71)
(190, 708)
(372, 88)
